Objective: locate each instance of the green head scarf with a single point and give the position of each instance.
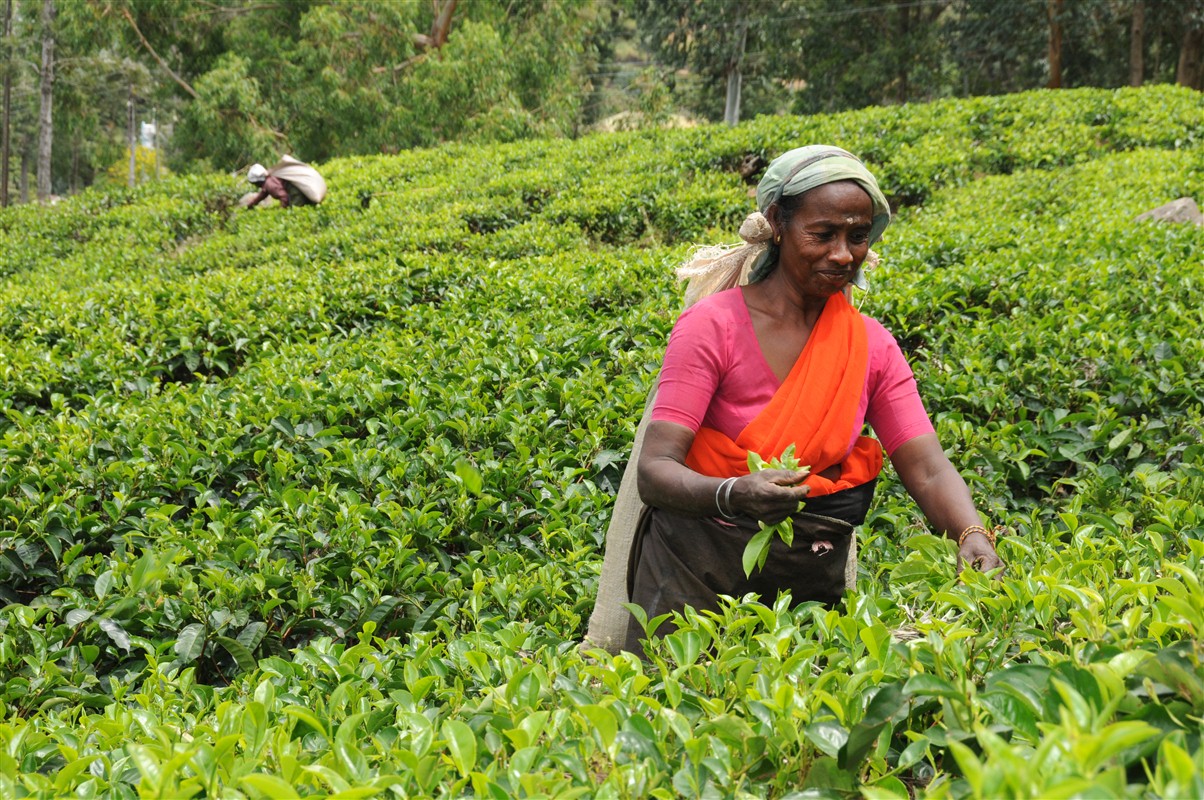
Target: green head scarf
(804, 168)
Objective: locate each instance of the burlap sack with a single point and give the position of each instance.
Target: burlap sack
(608, 623)
(303, 176)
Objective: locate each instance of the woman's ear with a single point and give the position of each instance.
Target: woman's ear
(773, 215)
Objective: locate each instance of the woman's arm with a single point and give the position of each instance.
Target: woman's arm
(944, 498)
(666, 482)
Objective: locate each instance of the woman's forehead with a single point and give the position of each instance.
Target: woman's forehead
(842, 201)
(829, 192)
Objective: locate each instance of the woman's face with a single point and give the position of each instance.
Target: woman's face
(825, 240)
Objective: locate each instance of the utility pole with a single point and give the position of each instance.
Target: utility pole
(131, 137)
(731, 111)
(155, 139)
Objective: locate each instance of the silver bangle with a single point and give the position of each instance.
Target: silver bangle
(727, 497)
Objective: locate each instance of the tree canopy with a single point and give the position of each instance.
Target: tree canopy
(223, 83)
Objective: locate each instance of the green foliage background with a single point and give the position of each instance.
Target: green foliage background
(312, 502)
(227, 83)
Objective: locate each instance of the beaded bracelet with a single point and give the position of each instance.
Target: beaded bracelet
(977, 529)
(727, 497)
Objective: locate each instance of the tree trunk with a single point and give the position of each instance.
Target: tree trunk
(26, 163)
(440, 27)
(45, 118)
(442, 24)
(905, 40)
(731, 110)
(5, 121)
(1191, 65)
(1137, 44)
(1055, 43)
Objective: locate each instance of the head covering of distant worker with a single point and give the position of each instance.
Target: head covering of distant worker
(718, 267)
(257, 174)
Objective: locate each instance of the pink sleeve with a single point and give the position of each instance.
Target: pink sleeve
(690, 372)
(894, 408)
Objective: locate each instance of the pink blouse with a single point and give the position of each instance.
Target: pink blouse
(715, 375)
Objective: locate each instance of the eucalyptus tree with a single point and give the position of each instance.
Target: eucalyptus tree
(1190, 70)
(730, 60)
(100, 80)
(705, 46)
(6, 30)
(509, 70)
(131, 59)
(849, 54)
(322, 79)
(21, 69)
(101, 97)
(46, 114)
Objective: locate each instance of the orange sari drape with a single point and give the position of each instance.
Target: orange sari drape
(813, 409)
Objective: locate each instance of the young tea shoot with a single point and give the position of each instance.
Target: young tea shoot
(757, 549)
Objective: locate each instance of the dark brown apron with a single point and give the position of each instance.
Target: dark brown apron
(677, 561)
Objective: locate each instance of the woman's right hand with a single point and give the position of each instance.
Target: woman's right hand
(770, 495)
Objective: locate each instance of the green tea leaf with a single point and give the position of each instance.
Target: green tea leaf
(469, 475)
(271, 786)
(190, 643)
(310, 720)
(825, 773)
(461, 745)
(604, 723)
(827, 735)
(241, 655)
(115, 632)
(756, 551)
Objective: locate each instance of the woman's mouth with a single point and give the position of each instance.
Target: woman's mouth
(836, 275)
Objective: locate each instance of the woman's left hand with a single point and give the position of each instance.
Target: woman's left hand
(976, 551)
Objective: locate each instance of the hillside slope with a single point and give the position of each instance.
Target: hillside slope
(308, 500)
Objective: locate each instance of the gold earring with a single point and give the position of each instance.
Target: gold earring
(777, 239)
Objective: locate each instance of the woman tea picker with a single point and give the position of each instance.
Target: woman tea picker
(781, 358)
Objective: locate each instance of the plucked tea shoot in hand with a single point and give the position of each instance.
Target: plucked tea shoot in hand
(757, 549)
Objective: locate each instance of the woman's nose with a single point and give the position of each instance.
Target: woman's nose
(841, 252)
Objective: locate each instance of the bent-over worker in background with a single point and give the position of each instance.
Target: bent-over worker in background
(271, 186)
(775, 355)
(290, 182)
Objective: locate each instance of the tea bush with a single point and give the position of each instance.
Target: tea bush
(312, 502)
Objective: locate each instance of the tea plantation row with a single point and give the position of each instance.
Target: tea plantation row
(312, 502)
